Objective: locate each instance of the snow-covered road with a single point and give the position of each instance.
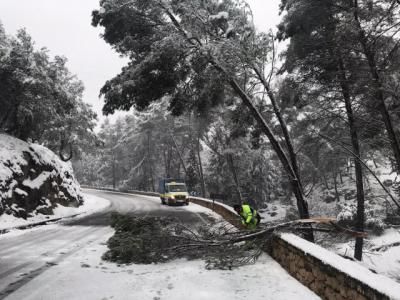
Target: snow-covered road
(63, 261)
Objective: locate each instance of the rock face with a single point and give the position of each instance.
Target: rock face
(34, 180)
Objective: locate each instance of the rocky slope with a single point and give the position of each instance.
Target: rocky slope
(33, 180)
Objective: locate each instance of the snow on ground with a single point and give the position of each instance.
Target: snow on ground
(85, 276)
(376, 281)
(91, 205)
(381, 253)
(274, 212)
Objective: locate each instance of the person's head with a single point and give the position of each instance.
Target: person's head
(248, 201)
(237, 208)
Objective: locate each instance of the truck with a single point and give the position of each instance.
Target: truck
(173, 191)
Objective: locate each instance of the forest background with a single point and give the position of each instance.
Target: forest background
(215, 102)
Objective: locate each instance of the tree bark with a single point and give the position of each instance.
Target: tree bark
(294, 180)
(335, 184)
(229, 158)
(179, 153)
(203, 185)
(114, 180)
(302, 205)
(282, 123)
(325, 180)
(378, 88)
(150, 167)
(358, 168)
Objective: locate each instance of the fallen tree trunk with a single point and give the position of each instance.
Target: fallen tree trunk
(221, 245)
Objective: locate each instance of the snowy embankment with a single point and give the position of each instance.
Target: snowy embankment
(35, 185)
(91, 204)
(381, 253)
(33, 179)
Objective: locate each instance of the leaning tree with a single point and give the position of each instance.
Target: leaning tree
(182, 48)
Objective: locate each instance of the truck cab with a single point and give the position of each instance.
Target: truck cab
(173, 191)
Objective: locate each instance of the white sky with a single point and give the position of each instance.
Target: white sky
(64, 27)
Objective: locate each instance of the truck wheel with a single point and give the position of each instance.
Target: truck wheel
(163, 201)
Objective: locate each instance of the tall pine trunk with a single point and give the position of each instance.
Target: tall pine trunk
(293, 178)
(378, 88)
(297, 189)
(179, 153)
(149, 164)
(202, 182)
(282, 124)
(229, 158)
(358, 167)
(114, 179)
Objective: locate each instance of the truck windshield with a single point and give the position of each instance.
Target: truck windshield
(177, 188)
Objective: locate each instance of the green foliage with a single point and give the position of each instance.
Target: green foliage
(164, 60)
(141, 241)
(157, 240)
(324, 35)
(138, 150)
(40, 99)
(230, 140)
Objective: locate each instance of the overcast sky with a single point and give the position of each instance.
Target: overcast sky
(64, 27)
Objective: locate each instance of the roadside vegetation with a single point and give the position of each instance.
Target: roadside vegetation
(220, 244)
(302, 121)
(158, 240)
(304, 117)
(41, 108)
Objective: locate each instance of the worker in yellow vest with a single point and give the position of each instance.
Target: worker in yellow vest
(250, 217)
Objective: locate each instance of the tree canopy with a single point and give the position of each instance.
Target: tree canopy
(40, 99)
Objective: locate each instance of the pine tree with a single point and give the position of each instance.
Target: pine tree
(183, 49)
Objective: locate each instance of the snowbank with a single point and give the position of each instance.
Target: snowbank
(91, 204)
(381, 253)
(274, 212)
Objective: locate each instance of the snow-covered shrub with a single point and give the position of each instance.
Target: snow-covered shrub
(292, 214)
(318, 204)
(328, 196)
(373, 215)
(33, 179)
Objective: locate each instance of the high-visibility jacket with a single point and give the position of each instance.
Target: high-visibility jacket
(249, 216)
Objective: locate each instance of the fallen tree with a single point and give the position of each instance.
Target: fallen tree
(220, 245)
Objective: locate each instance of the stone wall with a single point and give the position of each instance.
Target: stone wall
(222, 210)
(325, 280)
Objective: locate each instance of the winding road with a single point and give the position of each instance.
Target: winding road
(26, 256)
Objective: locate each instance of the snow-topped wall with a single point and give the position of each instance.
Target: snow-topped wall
(34, 180)
(327, 274)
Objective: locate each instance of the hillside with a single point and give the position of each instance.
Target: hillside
(33, 180)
